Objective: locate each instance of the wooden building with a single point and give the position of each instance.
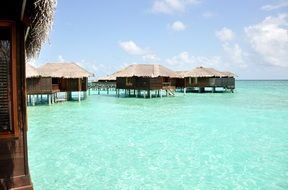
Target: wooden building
(37, 85)
(107, 83)
(200, 78)
(24, 27)
(59, 77)
(146, 78)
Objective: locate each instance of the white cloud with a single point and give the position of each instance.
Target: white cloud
(178, 26)
(150, 57)
(184, 59)
(269, 39)
(235, 54)
(172, 6)
(279, 5)
(225, 34)
(130, 47)
(61, 59)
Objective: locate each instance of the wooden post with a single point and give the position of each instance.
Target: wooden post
(30, 100)
(52, 98)
(160, 93)
(79, 89)
(33, 100)
(49, 99)
(213, 89)
(185, 91)
(150, 94)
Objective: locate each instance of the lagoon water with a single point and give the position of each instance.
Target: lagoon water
(198, 141)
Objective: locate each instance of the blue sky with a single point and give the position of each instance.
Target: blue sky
(247, 37)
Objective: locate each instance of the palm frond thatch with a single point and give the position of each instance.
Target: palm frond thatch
(145, 70)
(41, 13)
(31, 72)
(63, 70)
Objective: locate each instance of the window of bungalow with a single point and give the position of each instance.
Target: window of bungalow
(128, 81)
(8, 85)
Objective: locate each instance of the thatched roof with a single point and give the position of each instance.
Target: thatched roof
(63, 70)
(109, 77)
(229, 74)
(31, 71)
(41, 15)
(207, 72)
(180, 74)
(145, 70)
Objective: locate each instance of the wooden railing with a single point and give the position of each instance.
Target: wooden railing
(166, 84)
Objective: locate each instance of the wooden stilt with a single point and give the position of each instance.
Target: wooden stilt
(33, 100)
(52, 98)
(30, 100)
(79, 96)
(69, 96)
(185, 89)
(79, 89)
(49, 99)
(213, 89)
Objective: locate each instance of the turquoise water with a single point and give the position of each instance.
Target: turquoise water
(197, 142)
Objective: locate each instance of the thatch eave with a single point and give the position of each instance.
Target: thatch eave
(64, 70)
(40, 14)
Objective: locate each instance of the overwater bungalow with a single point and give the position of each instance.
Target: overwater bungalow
(178, 80)
(106, 83)
(38, 85)
(145, 78)
(201, 77)
(65, 77)
(24, 27)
